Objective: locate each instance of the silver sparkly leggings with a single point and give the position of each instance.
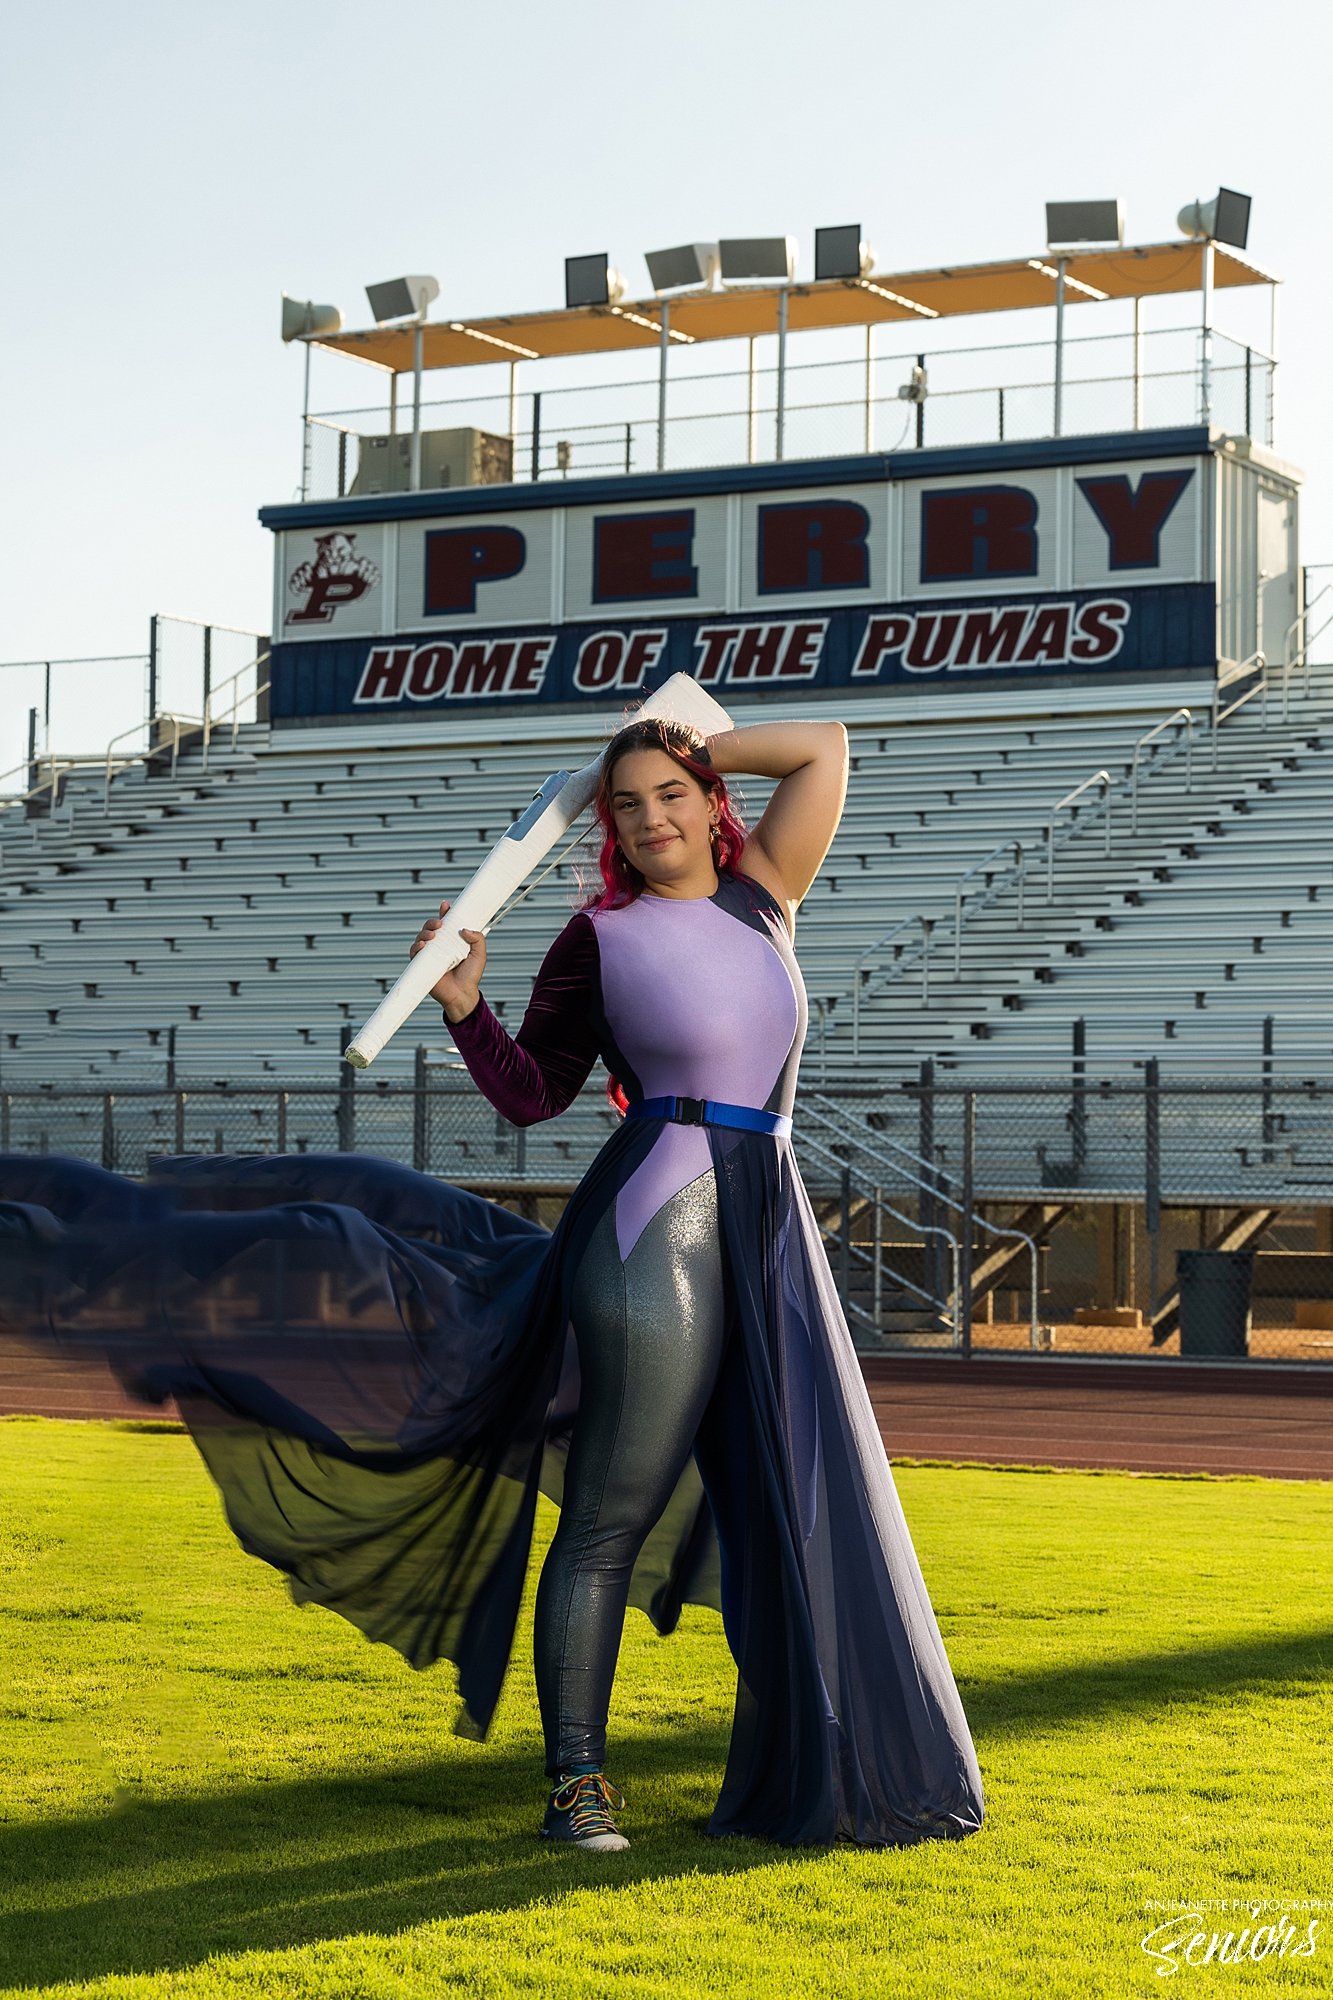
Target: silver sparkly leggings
(650, 1334)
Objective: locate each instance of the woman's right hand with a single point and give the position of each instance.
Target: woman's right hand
(458, 991)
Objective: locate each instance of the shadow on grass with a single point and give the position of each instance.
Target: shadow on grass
(160, 1884)
(1129, 1684)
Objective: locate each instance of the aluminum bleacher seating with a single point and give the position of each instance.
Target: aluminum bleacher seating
(261, 906)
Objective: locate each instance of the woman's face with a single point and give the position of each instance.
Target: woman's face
(663, 820)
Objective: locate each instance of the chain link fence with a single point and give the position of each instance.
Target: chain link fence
(1143, 1218)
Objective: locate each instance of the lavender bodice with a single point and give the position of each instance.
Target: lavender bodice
(698, 998)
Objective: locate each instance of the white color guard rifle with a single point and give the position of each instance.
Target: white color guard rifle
(561, 800)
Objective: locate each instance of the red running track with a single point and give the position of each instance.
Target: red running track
(1147, 1416)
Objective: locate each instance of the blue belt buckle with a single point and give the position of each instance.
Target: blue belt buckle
(703, 1111)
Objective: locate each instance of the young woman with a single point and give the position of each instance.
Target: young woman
(373, 1363)
(705, 1319)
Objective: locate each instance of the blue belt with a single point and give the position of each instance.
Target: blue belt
(705, 1111)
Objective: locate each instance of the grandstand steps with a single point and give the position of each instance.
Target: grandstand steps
(298, 868)
(1245, 815)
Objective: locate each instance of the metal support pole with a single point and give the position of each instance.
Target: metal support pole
(419, 1085)
(32, 746)
(1248, 366)
(752, 411)
(845, 1243)
(870, 388)
(180, 1121)
(782, 370)
(1138, 364)
(1272, 361)
(877, 1276)
(171, 1056)
(46, 705)
(1269, 1124)
(281, 1141)
(1152, 1175)
(1206, 346)
(1060, 266)
(513, 402)
(305, 427)
(346, 1111)
(208, 667)
(663, 349)
(418, 347)
(1078, 1103)
(109, 1133)
(921, 408)
(342, 464)
(152, 666)
(928, 1209)
(969, 1223)
(393, 404)
(536, 436)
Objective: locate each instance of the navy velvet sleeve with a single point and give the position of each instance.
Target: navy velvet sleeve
(537, 1073)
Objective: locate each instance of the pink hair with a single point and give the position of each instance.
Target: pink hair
(621, 881)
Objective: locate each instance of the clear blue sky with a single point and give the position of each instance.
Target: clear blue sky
(170, 169)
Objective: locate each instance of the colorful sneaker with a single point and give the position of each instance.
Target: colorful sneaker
(579, 1812)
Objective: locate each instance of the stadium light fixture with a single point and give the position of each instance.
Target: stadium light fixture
(302, 319)
(1224, 219)
(1084, 222)
(688, 266)
(1069, 223)
(840, 252)
(402, 298)
(592, 281)
(757, 260)
(409, 299)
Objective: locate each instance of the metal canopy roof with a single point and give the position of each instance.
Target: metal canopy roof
(915, 296)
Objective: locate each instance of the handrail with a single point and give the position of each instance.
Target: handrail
(57, 769)
(1014, 847)
(925, 925)
(1242, 670)
(1302, 655)
(178, 723)
(1181, 715)
(52, 762)
(1101, 778)
(243, 695)
(872, 1149)
(812, 1145)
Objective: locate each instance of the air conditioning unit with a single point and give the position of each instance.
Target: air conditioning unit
(448, 458)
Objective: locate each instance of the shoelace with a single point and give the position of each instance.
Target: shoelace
(589, 1800)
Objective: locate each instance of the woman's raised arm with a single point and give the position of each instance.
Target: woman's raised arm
(809, 760)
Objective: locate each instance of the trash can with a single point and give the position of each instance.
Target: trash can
(1215, 1290)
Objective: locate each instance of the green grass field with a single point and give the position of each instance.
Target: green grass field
(206, 1792)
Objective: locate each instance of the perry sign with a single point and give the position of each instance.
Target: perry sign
(1055, 568)
(1057, 528)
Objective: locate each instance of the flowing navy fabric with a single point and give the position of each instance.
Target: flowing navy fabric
(376, 1368)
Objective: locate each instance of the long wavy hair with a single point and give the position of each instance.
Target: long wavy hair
(622, 882)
